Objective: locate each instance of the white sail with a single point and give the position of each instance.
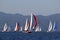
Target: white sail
(5, 28)
(31, 22)
(17, 27)
(54, 27)
(37, 29)
(26, 25)
(50, 27)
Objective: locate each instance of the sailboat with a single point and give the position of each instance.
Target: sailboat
(38, 29)
(50, 27)
(17, 27)
(26, 26)
(54, 27)
(21, 29)
(5, 28)
(29, 25)
(9, 29)
(35, 22)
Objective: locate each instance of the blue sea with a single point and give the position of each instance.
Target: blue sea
(30, 36)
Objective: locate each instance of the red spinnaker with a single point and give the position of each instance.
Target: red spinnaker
(35, 22)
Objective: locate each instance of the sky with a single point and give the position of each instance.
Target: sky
(26, 7)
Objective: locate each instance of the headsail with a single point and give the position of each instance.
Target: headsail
(37, 29)
(17, 27)
(50, 27)
(35, 22)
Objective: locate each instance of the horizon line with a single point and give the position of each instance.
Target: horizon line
(27, 15)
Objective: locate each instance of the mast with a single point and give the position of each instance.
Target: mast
(50, 27)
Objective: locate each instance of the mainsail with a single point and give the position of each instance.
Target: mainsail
(35, 22)
(50, 27)
(17, 27)
(5, 28)
(31, 22)
(26, 25)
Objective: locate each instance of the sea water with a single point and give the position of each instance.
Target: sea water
(29, 36)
